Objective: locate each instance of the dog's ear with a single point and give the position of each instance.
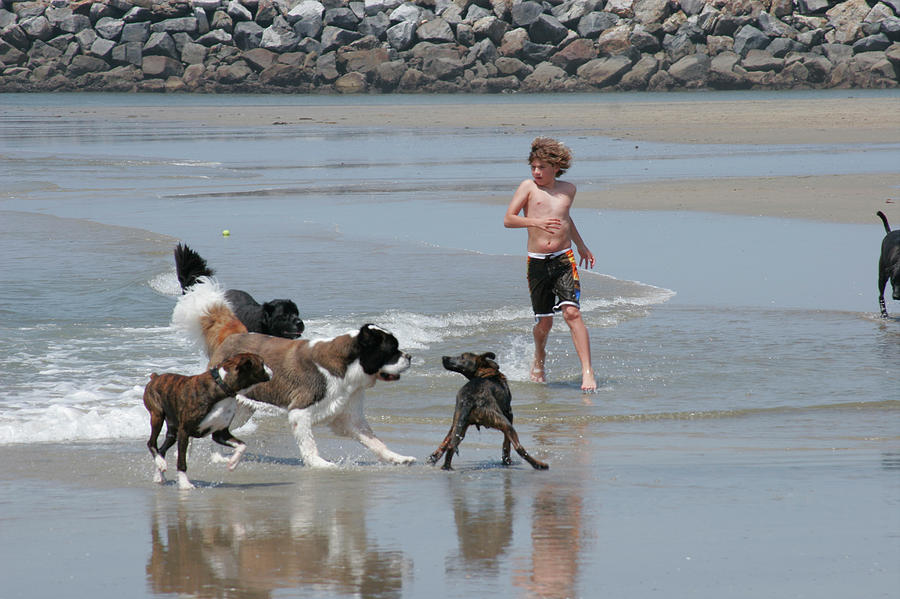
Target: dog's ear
(489, 355)
(372, 335)
(268, 311)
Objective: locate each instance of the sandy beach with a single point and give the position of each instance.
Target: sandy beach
(835, 198)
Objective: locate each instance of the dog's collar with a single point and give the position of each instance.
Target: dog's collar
(218, 379)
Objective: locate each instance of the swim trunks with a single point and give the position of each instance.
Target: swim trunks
(553, 282)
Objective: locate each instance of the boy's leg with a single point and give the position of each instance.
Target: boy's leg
(582, 341)
(541, 332)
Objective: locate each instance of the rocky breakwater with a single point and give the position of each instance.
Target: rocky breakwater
(353, 46)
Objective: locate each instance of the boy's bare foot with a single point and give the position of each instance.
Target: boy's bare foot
(588, 382)
(537, 374)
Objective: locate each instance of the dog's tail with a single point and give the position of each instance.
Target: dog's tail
(883, 218)
(205, 316)
(189, 267)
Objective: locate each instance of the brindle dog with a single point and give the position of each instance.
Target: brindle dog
(483, 401)
(195, 406)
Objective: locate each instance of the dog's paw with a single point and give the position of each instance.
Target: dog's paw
(184, 483)
(319, 462)
(158, 477)
(236, 456)
(217, 457)
(161, 465)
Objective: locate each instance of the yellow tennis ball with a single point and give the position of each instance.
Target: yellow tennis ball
(226, 233)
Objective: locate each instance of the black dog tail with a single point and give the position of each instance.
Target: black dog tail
(883, 218)
(189, 266)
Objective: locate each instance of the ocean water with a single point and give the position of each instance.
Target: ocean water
(721, 344)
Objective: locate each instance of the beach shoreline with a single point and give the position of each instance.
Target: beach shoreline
(839, 198)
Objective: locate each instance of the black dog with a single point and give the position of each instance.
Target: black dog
(195, 406)
(279, 318)
(483, 401)
(889, 263)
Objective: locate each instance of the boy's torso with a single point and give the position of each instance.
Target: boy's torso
(547, 204)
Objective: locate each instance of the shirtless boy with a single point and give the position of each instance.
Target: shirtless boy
(544, 203)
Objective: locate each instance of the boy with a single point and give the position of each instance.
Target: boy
(544, 202)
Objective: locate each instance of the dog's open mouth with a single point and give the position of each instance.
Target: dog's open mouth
(384, 376)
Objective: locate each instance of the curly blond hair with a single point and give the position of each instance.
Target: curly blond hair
(551, 151)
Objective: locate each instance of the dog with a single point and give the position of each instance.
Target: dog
(889, 263)
(483, 401)
(319, 381)
(195, 406)
(278, 317)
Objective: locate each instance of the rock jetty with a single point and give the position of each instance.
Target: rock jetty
(482, 46)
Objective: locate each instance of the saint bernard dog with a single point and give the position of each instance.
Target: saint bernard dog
(320, 381)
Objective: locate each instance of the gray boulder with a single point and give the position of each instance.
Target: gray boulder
(238, 12)
(236, 72)
(781, 46)
(161, 67)
(547, 29)
(135, 32)
(638, 77)
(761, 60)
(82, 64)
(593, 24)
(375, 25)
(442, 67)
(525, 13)
(160, 44)
(436, 30)
(278, 37)
(691, 70)
(536, 53)
(335, 37)
(401, 35)
(546, 77)
(388, 74)
(810, 7)
(38, 28)
(603, 72)
(651, 11)
(101, 47)
(570, 12)
(128, 53)
(750, 38)
(374, 7)
(66, 21)
(216, 37)
(341, 17)
(490, 27)
(351, 83)
(247, 35)
(872, 43)
(192, 53)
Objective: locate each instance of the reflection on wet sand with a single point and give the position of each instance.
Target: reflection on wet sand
(555, 543)
(244, 544)
(483, 514)
(557, 520)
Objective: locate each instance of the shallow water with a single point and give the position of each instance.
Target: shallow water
(744, 440)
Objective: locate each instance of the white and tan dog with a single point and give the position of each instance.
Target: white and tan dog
(320, 381)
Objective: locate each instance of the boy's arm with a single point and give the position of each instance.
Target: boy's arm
(512, 220)
(585, 256)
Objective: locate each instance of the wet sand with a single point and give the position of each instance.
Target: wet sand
(835, 198)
